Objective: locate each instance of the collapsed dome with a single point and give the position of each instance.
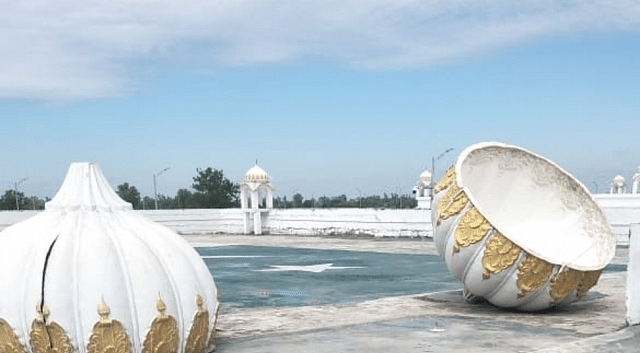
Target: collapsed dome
(537, 205)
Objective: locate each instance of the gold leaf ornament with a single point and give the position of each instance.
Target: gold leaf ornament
(588, 280)
(533, 272)
(9, 342)
(472, 228)
(197, 339)
(163, 334)
(564, 283)
(108, 335)
(453, 201)
(500, 253)
(446, 180)
(46, 336)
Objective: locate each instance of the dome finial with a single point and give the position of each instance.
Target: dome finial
(199, 302)
(161, 307)
(104, 311)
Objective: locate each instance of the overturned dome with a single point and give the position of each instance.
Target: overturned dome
(256, 175)
(89, 275)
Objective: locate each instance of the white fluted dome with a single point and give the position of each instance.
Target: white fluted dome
(425, 178)
(91, 274)
(256, 175)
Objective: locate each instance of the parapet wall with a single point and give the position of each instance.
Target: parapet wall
(621, 209)
(350, 221)
(341, 221)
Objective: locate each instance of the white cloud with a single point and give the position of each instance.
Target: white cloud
(82, 48)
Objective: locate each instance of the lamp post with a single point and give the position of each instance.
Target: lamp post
(433, 163)
(16, 191)
(155, 192)
(359, 196)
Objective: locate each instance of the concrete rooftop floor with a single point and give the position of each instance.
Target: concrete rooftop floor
(429, 322)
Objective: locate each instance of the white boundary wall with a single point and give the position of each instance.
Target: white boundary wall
(349, 222)
(622, 210)
(340, 221)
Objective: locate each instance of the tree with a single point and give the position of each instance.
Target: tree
(214, 190)
(148, 203)
(185, 199)
(298, 199)
(130, 194)
(8, 200)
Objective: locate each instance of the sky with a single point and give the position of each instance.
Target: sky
(329, 97)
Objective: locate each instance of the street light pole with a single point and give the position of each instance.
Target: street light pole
(16, 191)
(155, 191)
(433, 163)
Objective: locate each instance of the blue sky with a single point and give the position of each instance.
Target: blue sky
(330, 97)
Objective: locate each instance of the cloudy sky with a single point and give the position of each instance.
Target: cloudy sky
(330, 97)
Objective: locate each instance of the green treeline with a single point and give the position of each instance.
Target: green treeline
(373, 201)
(211, 189)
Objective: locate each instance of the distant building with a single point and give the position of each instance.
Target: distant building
(256, 198)
(422, 190)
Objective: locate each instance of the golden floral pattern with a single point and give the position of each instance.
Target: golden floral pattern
(9, 343)
(163, 334)
(564, 283)
(500, 253)
(533, 272)
(48, 337)
(471, 229)
(588, 280)
(453, 201)
(199, 329)
(446, 180)
(108, 335)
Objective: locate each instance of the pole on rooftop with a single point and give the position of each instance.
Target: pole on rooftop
(155, 191)
(16, 191)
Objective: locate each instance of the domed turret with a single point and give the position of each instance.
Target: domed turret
(618, 185)
(89, 275)
(422, 190)
(425, 178)
(256, 198)
(256, 175)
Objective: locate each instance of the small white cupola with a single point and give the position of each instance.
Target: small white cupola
(422, 190)
(618, 185)
(256, 198)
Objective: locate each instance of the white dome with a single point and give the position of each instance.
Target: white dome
(619, 179)
(425, 178)
(256, 175)
(89, 273)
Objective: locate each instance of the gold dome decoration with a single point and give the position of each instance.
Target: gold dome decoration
(564, 283)
(9, 343)
(472, 229)
(533, 273)
(454, 201)
(163, 335)
(500, 253)
(197, 340)
(108, 335)
(47, 336)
